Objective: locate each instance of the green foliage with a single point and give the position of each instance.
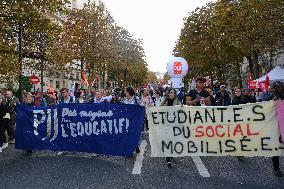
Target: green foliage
(215, 38)
(106, 48)
(26, 83)
(34, 16)
(89, 35)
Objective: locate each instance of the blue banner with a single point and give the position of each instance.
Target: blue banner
(111, 129)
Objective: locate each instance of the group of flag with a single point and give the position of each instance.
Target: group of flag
(253, 84)
(84, 82)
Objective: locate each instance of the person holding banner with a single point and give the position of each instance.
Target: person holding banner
(278, 93)
(40, 100)
(81, 98)
(98, 97)
(237, 97)
(50, 99)
(28, 100)
(171, 99)
(146, 101)
(115, 98)
(251, 96)
(237, 100)
(66, 98)
(130, 98)
(199, 95)
(106, 97)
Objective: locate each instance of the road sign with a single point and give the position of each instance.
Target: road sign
(34, 79)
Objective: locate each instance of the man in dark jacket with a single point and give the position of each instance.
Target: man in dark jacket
(222, 97)
(9, 97)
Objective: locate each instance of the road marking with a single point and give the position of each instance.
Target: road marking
(200, 166)
(139, 159)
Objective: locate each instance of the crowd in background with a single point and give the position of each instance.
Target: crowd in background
(149, 95)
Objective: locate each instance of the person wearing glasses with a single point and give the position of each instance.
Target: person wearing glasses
(238, 97)
(171, 99)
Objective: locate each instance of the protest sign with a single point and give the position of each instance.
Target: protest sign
(244, 130)
(111, 129)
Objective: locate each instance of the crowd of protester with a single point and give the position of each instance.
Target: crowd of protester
(151, 95)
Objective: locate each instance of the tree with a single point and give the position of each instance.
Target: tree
(89, 36)
(215, 38)
(201, 42)
(253, 27)
(106, 49)
(34, 17)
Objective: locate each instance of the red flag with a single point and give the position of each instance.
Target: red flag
(94, 83)
(96, 80)
(50, 90)
(84, 80)
(261, 85)
(264, 84)
(251, 84)
(38, 97)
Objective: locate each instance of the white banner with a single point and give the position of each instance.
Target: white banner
(244, 130)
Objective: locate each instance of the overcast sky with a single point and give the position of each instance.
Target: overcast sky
(156, 22)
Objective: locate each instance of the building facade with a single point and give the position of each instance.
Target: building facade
(64, 80)
(267, 61)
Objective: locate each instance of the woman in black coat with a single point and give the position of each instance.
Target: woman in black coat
(238, 97)
(171, 99)
(2, 127)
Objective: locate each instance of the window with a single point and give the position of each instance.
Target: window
(64, 83)
(57, 85)
(51, 82)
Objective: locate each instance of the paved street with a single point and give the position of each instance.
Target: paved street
(78, 170)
